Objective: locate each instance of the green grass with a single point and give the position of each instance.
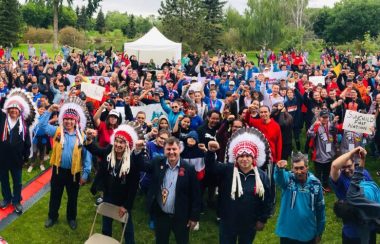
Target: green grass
(48, 47)
(29, 227)
(313, 56)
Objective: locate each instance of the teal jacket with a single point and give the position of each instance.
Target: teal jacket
(172, 117)
(302, 212)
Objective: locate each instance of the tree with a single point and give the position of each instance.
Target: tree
(214, 18)
(56, 5)
(116, 20)
(35, 14)
(10, 22)
(184, 21)
(82, 18)
(130, 30)
(100, 24)
(264, 21)
(349, 20)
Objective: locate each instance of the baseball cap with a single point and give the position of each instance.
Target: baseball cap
(34, 86)
(212, 82)
(114, 112)
(324, 113)
(231, 83)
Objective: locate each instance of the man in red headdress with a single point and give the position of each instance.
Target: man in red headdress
(244, 191)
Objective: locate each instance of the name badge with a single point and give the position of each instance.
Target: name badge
(328, 147)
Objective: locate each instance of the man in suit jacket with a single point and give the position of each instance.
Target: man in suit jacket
(174, 194)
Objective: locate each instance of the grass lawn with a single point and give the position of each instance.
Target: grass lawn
(48, 47)
(29, 227)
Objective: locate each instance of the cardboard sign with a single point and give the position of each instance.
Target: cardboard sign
(317, 80)
(93, 91)
(358, 122)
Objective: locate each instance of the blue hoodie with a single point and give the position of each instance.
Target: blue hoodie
(302, 213)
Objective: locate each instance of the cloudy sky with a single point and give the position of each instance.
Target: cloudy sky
(147, 7)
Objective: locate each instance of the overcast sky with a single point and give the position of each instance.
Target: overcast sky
(147, 7)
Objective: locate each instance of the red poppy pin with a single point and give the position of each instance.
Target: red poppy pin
(181, 171)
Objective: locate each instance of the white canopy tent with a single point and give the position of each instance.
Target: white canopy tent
(154, 45)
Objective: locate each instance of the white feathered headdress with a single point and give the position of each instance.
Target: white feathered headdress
(252, 142)
(23, 101)
(74, 108)
(130, 132)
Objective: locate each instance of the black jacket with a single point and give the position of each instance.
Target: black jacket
(120, 191)
(14, 150)
(243, 212)
(188, 193)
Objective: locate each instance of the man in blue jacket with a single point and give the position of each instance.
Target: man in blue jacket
(302, 210)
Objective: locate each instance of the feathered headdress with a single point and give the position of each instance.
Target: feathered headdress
(130, 132)
(249, 141)
(23, 101)
(74, 108)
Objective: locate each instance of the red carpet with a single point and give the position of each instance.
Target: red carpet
(29, 191)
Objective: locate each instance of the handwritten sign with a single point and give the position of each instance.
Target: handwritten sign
(358, 122)
(317, 80)
(93, 91)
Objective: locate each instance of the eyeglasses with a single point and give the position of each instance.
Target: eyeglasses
(175, 107)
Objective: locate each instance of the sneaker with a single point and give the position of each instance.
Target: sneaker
(30, 169)
(18, 208)
(196, 227)
(42, 167)
(4, 204)
(98, 201)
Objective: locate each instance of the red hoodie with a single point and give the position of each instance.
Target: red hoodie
(272, 132)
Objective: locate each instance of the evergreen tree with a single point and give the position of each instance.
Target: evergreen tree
(100, 24)
(131, 27)
(214, 18)
(183, 21)
(10, 22)
(82, 18)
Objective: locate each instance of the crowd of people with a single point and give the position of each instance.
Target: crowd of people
(222, 139)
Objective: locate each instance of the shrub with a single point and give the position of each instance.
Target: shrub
(72, 37)
(38, 35)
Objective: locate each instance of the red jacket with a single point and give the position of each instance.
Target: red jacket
(272, 132)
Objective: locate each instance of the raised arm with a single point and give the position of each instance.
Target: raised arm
(44, 121)
(338, 163)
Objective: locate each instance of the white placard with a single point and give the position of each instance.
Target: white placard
(358, 122)
(88, 79)
(93, 91)
(317, 80)
(148, 109)
(273, 76)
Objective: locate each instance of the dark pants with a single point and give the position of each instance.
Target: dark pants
(16, 174)
(60, 180)
(348, 240)
(269, 170)
(129, 235)
(228, 236)
(322, 172)
(296, 136)
(165, 223)
(286, 151)
(284, 240)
